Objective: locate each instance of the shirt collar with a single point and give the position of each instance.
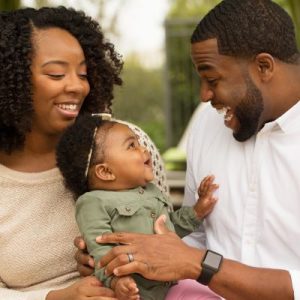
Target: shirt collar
(286, 122)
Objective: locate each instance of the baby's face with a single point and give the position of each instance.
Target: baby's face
(129, 162)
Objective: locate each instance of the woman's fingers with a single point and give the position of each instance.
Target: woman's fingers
(79, 243)
(85, 263)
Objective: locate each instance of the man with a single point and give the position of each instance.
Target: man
(246, 56)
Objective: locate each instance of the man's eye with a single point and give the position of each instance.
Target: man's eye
(211, 81)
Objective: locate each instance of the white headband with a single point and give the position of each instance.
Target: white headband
(104, 117)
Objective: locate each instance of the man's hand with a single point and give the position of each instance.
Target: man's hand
(85, 263)
(160, 256)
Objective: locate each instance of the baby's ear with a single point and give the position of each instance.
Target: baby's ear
(103, 172)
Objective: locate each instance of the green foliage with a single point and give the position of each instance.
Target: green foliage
(294, 7)
(141, 100)
(182, 81)
(7, 5)
(191, 8)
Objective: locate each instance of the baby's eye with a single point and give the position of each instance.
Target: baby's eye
(132, 145)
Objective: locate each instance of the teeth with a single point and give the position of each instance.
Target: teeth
(222, 111)
(70, 107)
(228, 118)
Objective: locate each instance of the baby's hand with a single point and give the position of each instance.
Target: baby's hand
(206, 201)
(125, 288)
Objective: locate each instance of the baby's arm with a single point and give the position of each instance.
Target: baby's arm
(206, 200)
(93, 218)
(125, 288)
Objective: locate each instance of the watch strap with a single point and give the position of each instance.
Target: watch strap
(206, 276)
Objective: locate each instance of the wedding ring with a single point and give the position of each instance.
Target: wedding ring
(130, 257)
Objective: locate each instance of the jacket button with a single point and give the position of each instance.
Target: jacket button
(128, 209)
(141, 191)
(153, 215)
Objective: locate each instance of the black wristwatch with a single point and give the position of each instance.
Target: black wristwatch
(210, 264)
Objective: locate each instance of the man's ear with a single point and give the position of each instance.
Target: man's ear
(265, 65)
(103, 172)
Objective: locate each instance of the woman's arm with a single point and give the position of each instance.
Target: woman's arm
(87, 287)
(84, 288)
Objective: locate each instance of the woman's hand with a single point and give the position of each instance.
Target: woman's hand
(162, 256)
(88, 287)
(85, 263)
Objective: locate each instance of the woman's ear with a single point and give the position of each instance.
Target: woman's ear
(265, 66)
(103, 172)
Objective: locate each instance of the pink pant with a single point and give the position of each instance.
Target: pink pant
(191, 290)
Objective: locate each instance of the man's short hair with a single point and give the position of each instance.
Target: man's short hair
(245, 28)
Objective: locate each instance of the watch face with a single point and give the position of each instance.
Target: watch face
(212, 260)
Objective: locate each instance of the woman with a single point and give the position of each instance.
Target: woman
(55, 65)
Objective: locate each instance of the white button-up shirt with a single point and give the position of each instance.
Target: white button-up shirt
(257, 217)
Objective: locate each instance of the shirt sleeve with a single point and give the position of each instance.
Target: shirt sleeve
(185, 220)
(93, 220)
(295, 276)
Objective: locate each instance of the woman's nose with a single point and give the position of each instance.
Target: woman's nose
(76, 84)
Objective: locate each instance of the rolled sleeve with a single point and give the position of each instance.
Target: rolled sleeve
(295, 276)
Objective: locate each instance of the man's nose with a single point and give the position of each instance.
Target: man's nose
(206, 94)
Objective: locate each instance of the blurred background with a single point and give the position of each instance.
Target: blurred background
(160, 90)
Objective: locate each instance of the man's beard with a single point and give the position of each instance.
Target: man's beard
(249, 111)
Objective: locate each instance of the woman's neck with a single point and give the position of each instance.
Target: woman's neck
(38, 155)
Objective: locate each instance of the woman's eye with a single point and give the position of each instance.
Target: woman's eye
(56, 76)
(83, 76)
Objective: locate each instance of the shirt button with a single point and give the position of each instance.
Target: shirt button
(153, 215)
(128, 209)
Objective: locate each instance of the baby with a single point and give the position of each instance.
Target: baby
(104, 165)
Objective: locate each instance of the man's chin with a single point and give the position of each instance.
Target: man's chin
(242, 136)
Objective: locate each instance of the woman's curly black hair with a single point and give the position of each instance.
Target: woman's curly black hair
(86, 135)
(104, 65)
(245, 28)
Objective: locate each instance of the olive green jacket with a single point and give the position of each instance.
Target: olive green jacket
(133, 210)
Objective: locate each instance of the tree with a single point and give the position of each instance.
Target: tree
(182, 80)
(6, 5)
(140, 99)
(293, 7)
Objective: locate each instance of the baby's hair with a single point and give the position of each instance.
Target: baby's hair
(74, 148)
(245, 28)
